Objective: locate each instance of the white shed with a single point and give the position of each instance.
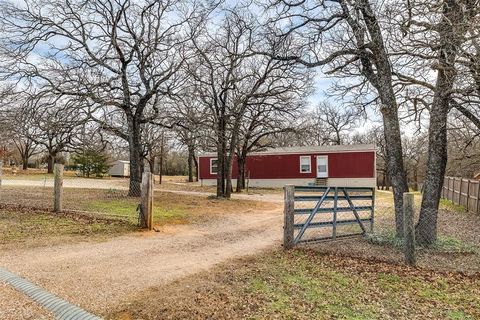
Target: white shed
(120, 168)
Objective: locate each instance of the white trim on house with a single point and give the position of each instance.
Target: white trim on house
(322, 174)
(309, 164)
(309, 150)
(211, 161)
(279, 183)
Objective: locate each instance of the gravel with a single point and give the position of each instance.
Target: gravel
(102, 275)
(14, 305)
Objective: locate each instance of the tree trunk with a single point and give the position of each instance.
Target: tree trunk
(221, 151)
(382, 81)
(191, 157)
(228, 177)
(450, 34)
(25, 161)
(160, 168)
(151, 164)
(51, 161)
(426, 228)
(394, 158)
(136, 159)
(415, 179)
(195, 161)
(240, 174)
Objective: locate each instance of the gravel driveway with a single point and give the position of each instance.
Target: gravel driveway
(100, 275)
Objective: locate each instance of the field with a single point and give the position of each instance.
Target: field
(216, 259)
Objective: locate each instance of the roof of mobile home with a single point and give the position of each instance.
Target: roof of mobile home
(309, 149)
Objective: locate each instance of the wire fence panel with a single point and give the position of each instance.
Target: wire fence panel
(106, 197)
(33, 191)
(464, 192)
(109, 197)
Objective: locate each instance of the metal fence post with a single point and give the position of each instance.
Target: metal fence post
(408, 228)
(146, 203)
(58, 187)
(288, 221)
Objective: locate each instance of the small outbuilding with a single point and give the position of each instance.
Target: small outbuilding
(338, 166)
(120, 168)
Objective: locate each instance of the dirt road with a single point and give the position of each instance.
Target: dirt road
(99, 275)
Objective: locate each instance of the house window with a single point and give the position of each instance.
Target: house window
(213, 166)
(305, 164)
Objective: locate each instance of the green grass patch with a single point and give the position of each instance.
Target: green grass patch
(451, 206)
(127, 208)
(446, 244)
(307, 285)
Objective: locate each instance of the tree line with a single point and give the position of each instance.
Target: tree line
(235, 78)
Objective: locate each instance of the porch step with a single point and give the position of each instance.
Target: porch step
(321, 182)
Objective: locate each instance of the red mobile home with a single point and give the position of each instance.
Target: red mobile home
(349, 166)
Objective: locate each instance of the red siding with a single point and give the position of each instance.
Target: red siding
(287, 166)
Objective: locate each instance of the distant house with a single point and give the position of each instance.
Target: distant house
(120, 168)
(338, 166)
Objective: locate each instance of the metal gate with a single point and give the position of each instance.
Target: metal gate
(327, 213)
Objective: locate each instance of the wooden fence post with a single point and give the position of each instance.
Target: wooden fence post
(288, 220)
(1, 172)
(478, 198)
(408, 228)
(146, 203)
(58, 187)
(468, 195)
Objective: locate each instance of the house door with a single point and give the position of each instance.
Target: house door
(322, 166)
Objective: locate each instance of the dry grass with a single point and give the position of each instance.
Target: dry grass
(458, 248)
(307, 285)
(100, 214)
(33, 228)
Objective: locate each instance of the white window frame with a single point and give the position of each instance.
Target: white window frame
(211, 162)
(309, 164)
(324, 174)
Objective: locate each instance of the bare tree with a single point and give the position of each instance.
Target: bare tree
(53, 124)
(415, 152)
(189, 121)
(261, 121)
(231, 77)
(333, 123)
(346, 36)
(16, 131)
(117, 56)
(435, 35)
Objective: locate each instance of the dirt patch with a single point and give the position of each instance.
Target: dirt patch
(96, 276)
(305, 285)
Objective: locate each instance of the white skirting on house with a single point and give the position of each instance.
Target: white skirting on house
(278, 183)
